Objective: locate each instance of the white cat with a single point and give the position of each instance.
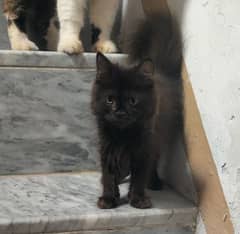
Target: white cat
(71, 19)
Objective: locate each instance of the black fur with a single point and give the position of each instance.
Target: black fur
(138, 110)
(95, 33)
(158, 38)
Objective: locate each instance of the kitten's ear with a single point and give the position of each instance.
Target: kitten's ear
(146, 68)
(103, 64)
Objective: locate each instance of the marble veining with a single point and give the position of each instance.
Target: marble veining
(45, 121)
(67, 202)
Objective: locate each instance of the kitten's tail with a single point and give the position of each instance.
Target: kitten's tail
(158, 38)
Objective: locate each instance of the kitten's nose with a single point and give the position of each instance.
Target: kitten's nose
(120, 114)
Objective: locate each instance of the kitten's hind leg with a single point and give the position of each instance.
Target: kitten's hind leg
(71, 19)
(139, 173)
(154, 182)
(102, 16)
(15, 12)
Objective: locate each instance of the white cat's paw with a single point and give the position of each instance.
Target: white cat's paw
(23, 44)
(70, 45)
(105, 46)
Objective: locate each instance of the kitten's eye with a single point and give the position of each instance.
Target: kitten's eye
(132, 101)
(110, 99)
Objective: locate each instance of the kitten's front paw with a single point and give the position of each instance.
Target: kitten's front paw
(70, 45)
(141, 202)
(107, 202)
(105, 46)
(23, 44)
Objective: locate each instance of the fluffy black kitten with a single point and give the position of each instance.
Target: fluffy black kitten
(138, 110)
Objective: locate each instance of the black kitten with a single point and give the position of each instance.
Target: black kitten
(138, 110)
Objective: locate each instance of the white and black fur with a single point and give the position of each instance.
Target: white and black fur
(56, 24)
(71, 18)
(28, 23)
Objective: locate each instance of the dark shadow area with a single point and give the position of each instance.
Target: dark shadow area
(178, 9)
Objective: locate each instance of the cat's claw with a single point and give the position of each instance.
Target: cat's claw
(105, 46)
(23, 44)
(70, 45)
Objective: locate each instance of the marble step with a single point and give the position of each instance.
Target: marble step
(66, 203)
(43, 59)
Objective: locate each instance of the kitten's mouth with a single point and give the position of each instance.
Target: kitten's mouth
(120, 122)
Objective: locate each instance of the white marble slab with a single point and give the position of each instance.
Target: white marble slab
(45, 121)
(67, 202)
(42, 59)
(139, 230)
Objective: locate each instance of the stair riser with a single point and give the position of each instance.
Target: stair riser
(46, 121)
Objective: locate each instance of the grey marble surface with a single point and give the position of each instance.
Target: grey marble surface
(67, 202)
(40, 59)
(141, 230)
(45, 121)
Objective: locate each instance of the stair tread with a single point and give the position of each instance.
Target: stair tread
(49, 59)
(67, 202)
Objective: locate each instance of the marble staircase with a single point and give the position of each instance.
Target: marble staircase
(49, 179)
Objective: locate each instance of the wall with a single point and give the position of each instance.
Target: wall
(211, 32)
